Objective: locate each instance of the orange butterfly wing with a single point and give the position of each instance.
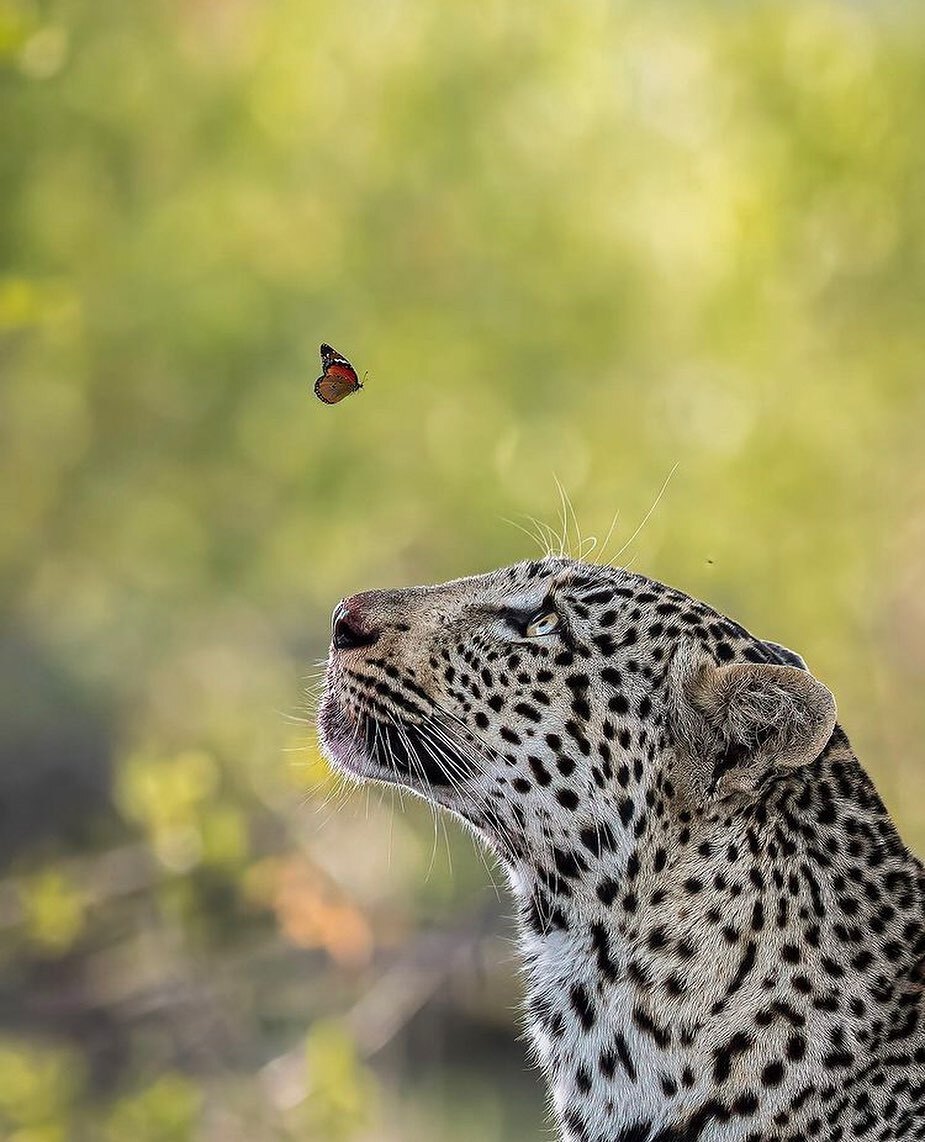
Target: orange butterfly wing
(339, 378)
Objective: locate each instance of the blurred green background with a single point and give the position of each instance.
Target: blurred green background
(590, 242)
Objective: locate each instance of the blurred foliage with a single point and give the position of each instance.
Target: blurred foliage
(165, 1111)
(604, 243)
(37, 1090)
(340, 1098)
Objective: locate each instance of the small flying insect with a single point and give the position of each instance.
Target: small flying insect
(339, 378)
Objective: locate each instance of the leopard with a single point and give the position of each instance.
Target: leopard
(721, 933)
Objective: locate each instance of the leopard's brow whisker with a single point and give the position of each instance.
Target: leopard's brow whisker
(645, 519)
(534, 534)
(568, 520)
(601, 553)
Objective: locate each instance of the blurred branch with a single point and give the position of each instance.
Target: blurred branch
(401, 991)
(99, 879)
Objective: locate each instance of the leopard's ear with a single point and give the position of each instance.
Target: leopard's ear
(785, 656)
(738, 722)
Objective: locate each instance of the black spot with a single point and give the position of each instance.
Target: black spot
(639, 1132)
(598, 837)
(540, 772)
(582, 1005)
(618, 1053)
(607, 891)
(581, 709)
(531, 713)
(601, 946)
(661, 1035)
(567, 798)
(569, 864)
(772, 1074)
(724, 1056)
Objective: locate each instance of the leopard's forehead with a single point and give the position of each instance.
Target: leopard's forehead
(599, 597)
(572, 578)
(562, 570)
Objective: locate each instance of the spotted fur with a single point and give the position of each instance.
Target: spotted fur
(722, 931)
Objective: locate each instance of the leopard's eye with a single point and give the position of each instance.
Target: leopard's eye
(545, 622)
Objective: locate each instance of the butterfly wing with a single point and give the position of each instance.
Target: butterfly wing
(332, 389)
(339, 378)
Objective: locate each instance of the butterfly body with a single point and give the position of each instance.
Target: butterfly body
(338, 378)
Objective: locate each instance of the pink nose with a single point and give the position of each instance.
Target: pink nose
(352, 625)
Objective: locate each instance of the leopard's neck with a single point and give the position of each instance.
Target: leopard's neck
(692, 985)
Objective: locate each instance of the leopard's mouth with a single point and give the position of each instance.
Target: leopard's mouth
(372, 748)
(342, 739)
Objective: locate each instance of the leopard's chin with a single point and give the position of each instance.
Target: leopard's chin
(364, 747)
(342, 739)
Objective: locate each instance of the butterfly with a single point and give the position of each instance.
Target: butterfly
(339, 378)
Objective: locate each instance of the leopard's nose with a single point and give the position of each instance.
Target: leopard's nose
(352, 625)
